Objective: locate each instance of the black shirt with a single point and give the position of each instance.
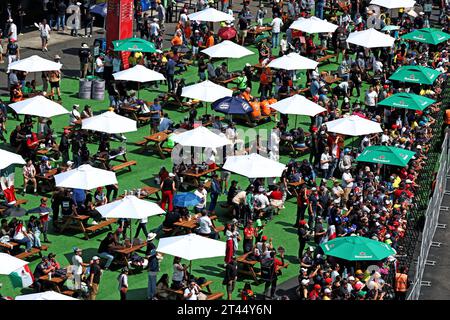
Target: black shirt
(231, 271)
(62, 8)
(150, 247)
(40, 270)
(66, 205)
(243, 24)
(64, 144)
(84, 55)
(171, 218)
(104, 245)
(12, 48)
(97, 272)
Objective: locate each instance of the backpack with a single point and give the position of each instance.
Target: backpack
(267, 269)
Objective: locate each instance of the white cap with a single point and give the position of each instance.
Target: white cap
(327, 291)
(351, 278)
(95, 258)
(171, 174)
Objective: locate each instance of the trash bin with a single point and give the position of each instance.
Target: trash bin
(85, 87)
(98, 89)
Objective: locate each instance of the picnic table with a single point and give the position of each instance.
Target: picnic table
(123, 253)
(77, 222)
(194, 176)
(331, 79)
(191, 224)
(56, 283)
(148, 192)
(156, 141)
(253, 33)
(225, 82)
(248, 267)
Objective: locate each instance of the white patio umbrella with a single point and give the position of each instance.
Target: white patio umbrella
(254, 166)
(210, 15)
(8, 158)
(191, 247)
(38, 106)
(227, 49)
(206, 91)
(139, 74)
(394, 4)
(46, 295)
(109, 122)
(313, 25)
(201, 137)
(35, 64)
(370, 38)
(353, 126)
(9, 263)
(293, 61)
(85, 177)
(130, 207)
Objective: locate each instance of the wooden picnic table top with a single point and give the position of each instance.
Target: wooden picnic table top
(148, 189)
(296, 183)
(331, 79)
(157, 137)
(49, 174)
(243, 259)
(129, 108)
(56, 280)
(126, 251)
(79, 217)
(200, 174)
(259, 30)
(231, 79)
(192, 223)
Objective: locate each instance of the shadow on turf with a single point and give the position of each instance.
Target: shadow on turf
(289, 228)
(136, 294)
(208, 270)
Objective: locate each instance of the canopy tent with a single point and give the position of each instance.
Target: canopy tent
(8, 158)
(185, 199)
(427, 35)
(85, 177)
(370, 38)
(232, 105)
(109, 122)
(227, 49)
(46, 295)
(39, 106)
(356, 248)
(201, 137)
(407, 101)
(353, 126)
(293, 61)
(100, 9)
(210, 15)
(191, 247)
(313, 25)
(254, 166)
(206, 91)
(394, 4)
(134, 45)
(386, 155)
(35, 64)
(415, 74)
(9, 263)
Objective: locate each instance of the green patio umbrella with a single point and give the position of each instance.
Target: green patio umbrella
(133, 45)
(407, 101)
(427, 35)
(356, 248)
(386, 155)
(415, 74)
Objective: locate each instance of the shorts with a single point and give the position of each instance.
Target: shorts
(44, 38)
(242, 33)
(155, 122)
(230, 287)
(54, 84)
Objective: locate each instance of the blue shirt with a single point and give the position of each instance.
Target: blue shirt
(156, 107)
(170, 68)
(315, 86)
(165, 124)
(78, 195)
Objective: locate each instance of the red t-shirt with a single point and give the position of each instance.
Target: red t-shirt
(276, 195)
(249, 232)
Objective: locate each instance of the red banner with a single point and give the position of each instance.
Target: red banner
(119, 20)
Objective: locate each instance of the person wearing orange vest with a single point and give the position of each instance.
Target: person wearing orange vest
(246, 95)
(401, 283)
(256, 113)
(265, 108)
(447, 117)
(265, 80)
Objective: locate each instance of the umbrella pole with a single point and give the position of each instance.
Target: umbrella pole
(139, 87)
(296, 116)
(190, 269)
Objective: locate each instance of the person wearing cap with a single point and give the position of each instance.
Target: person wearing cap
(85, 56)
(123, 283)
(95, 274)
(52, 261)
(78, 266)
(167, 191)
(43, 268)
(12, 51)
(44, 212)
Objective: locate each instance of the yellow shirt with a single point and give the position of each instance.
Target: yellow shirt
(396, 182)
(326, 298)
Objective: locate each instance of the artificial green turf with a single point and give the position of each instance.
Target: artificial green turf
(148, 165)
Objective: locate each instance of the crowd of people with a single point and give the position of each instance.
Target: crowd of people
(337, 196)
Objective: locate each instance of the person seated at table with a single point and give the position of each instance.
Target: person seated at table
(21, 235)
(45, 165)
(246, 95)
(16, 93)
(68, 205)
(100, 197)
(87, 112)
(4, 229)
(165, 124)
(52, 261)
(222, 72)
(106, 249)
(27, 89)
(42, 269)
(161, 287)
(206, 228)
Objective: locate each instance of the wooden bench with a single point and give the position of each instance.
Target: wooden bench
(180, 292)
(127, 164)
(143, 120)
(141, 143)
(101, 225)
(327, 58)
(215, 296)
(31, 253)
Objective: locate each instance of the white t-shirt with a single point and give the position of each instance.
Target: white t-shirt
(74, 116)
(99, 67)
(370, 98)
(19, 235)
(276, 24)
(177, 274)
(205, 225)
(77, 262)
(262, 201)
(202, 195)
(194, 293)
(44, 30)
(345, 177)
(325, 157)
(13, 31)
